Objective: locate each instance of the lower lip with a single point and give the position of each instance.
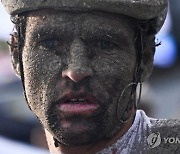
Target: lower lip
(72, 109)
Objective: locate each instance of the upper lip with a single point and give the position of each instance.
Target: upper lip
(78, 98)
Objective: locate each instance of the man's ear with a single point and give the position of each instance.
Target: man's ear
(15, 53)
(148, 57)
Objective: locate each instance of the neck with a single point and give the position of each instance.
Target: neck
(88, 149)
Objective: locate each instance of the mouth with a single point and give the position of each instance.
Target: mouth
(84, 105)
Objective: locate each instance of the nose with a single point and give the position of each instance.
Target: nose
(77, 74)
(79, 65)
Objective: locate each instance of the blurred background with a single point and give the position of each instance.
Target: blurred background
(160, 96)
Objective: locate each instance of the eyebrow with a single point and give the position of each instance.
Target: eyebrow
(45, 31)
(117, 36)
(104, 32)
(107, 30)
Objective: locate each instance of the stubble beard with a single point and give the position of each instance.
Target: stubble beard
(99, 126)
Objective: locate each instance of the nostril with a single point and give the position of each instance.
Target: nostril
(77, 75)
(70, 74)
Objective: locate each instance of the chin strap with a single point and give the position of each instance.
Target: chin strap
(132, 103)
(20, 46)
(137, 81)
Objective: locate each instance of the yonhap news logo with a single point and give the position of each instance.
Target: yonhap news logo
(155, 139)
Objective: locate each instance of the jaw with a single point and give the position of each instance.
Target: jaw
(88, 148)
(78, 130)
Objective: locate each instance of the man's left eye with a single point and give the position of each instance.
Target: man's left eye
(105, 45)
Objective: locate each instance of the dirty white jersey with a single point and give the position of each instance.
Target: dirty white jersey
(148, 136)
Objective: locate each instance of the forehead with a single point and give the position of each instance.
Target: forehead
(80, 22)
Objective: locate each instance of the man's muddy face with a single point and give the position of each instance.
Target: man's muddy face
(76, 66)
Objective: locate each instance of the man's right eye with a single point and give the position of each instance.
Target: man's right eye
(50, 43)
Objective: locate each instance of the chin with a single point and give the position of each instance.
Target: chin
(78, 139)
(82, 133)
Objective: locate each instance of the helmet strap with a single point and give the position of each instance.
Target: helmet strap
(137, 80)
(20, 45)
